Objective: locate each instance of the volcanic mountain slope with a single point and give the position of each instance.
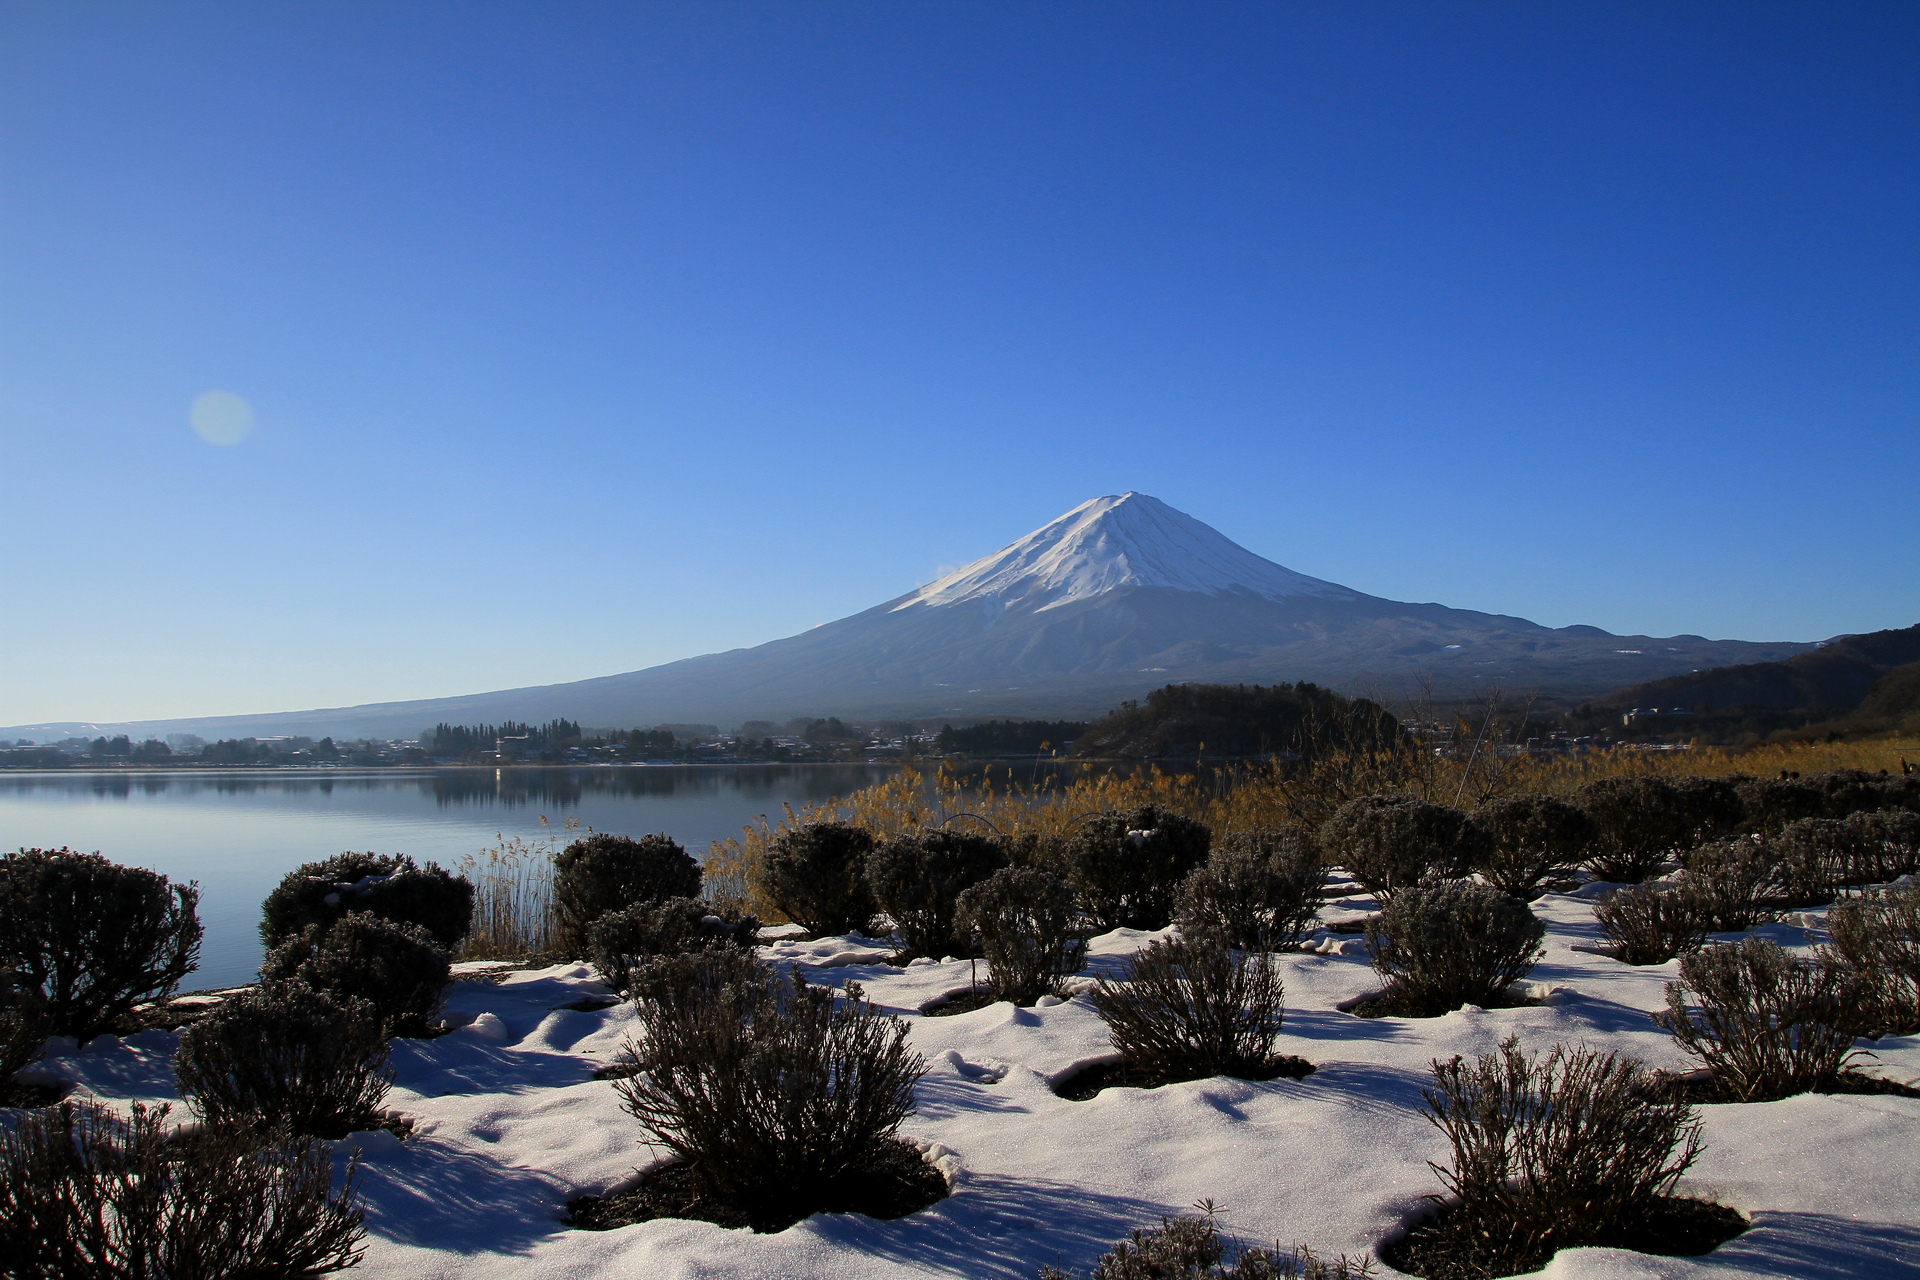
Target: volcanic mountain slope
(1119, 595)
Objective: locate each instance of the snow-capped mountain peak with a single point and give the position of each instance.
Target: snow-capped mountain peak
(1127, 541)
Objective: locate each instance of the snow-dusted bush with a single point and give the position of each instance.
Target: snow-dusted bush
(816, 874)
(84, 1193)
(1729, 879)
(1768, 1025)
(601, 873)
(395, 967)
(621, 941)
(917, 879)
(1551, 1153)
(1651, 923)
(1127, 866)
(1811, 859)
(1029, 927)
(1849, 791)
(1639, 823)
(1451, 942)
(94, 938)
(1390, 842)
(1885, 846)
(1260, 891)
(23, 1028)
(774, 1095)
(1187, 1010)
(391, 886)
(1194, 1249)
(1877, 935)
(283, 1056)
(1529, 838)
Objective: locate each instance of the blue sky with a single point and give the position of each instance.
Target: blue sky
(583, 337)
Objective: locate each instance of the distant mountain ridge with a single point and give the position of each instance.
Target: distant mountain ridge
(1118, 596)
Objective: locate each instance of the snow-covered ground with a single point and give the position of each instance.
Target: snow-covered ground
(510, 1123)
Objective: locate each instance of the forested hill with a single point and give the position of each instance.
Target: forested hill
(1826, 683)
(1190, 720)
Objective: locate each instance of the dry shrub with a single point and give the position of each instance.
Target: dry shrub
(1450, 943)
(1194, 1249)
(1886, 846)
(1877, 935)
(601, 873)
(395, 967)
(1652, 923)
(1767, 1025)
(917, 879)
(1729, 881)
(1187, 1010)
(1127, 866)
(1811, 858)
(391, 886)
(1530, 838)
(1390, 842)
(94, 938)
(1551, 1153)
(774, 1095)
(620, 942)
(1260, 891)
(286, 1057)
(815, 874)
(1029, 927)
(84, 1193)
(1639, 823)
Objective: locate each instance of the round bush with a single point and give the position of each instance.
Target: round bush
(774, 1095)
(1529, 838)
(1259, 891)
(1771, 803)
(1127, 866)
(917, 879)
(1651, 923)
(1728, 879)
(1389, 842)
(1813, 857)
(284, 1056)
(1767, 1025)
(1187, 1010)
(390, 886)
(611, 873)
(94, 938)
(1640, 823)
(1028, 923)
(1877, 935)
(1849, 791)
(816, 875)
(1711, 807)
(396, 968)
(621, 941)
(1886, 845)
(1451, 942)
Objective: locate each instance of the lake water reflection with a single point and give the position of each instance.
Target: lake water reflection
(238, 832)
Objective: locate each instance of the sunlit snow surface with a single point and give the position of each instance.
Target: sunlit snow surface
(509, 1124)
(1127, 541)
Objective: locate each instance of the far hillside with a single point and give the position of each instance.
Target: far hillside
(1235, 720)
(1824, 688)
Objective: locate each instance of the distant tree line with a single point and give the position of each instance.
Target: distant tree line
(1010, 737)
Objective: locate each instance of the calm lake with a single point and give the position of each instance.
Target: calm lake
(237, 832)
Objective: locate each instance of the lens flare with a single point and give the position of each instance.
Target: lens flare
(221, 417)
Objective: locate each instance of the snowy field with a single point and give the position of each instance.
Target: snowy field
(509, 1124)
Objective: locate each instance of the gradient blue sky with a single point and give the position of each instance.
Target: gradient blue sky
(584, 337)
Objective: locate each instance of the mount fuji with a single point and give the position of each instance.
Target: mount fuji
(1118, 596)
